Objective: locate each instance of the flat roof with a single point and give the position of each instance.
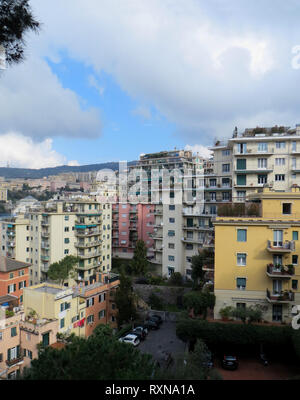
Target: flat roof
(48, 289)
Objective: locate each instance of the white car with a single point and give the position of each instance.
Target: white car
(132, 339)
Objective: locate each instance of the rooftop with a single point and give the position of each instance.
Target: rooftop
(48, 289)
(8, 264)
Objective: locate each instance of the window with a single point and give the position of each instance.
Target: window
(225, 167)
(226, 182)
(241, 259)
(171, 220)
(21, 273)
(295, 235)
(67, 240)
(242, 148)
(101, 297)
(225, 196)
(241, 180)
(294, 162)
(294, 284)
(242, 235)
(45, 339)
(171, 233)
(262, 147)
(189, 246)
(241, 283)
(262, 163)
(286, 208)
(171, 207)
(171, 246)
(294, 146)
(62, 323)
(277, 238)
(241, 163)
(90, 302)
(22, 284)
(90, 319)
(13, 331)
(213, 182)
(101, 314)
(66, 218)
(225, 153)
(65, 306)
(171, 258)
(294, 259)
(11, 275)
(1, 335)
(279, 177)
(262, 179)
(66, 251)
(11, 288)
(279, 161)
(66, 229)
(124, 215)
(213, 196)
(280, 145)
(171, 271)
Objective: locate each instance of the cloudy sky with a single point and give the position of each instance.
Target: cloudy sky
(107, 80)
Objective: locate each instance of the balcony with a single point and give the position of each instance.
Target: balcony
(15, 361)
(45, 234)
(87, 244)
(90, 255)
(45, 258)
(11, 244)
(280, 271)
(280, 247)
(87, 233)
(282, 297)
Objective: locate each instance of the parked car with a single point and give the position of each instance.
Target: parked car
(230, 362)
(156, 318)
(141, 329)
(139, 333)
(131, 339)
(151, 324)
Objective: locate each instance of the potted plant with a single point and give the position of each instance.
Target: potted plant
(226, 312)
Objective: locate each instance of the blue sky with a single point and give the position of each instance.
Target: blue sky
(125, 134)
(119, 78)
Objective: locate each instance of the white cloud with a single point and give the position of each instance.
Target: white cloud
(22, 152)
(199, 149)
(94, 83)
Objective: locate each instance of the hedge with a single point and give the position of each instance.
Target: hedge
(216, 334)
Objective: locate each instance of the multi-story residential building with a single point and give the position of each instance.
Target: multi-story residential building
(182, 224)
(14, 277)
(11, 358)
(260, 266)
(77, 226)
(78, 309)
(261, 156)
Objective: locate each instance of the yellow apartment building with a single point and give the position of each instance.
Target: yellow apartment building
(257, 256)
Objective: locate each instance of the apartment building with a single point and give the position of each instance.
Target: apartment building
(11, 358)
(259, 157)
(78, 226)
(78, 309)
(260, 267)
(182, 224)
(14, 276)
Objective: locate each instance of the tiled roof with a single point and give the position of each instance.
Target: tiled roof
(8, 264)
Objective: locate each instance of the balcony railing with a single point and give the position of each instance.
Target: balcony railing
(15, 361)
(280, 271)
(281, 247)
(282, 297)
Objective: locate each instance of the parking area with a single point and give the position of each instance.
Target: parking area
(252, 369)
(162, 340)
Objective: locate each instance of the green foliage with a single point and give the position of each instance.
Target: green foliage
(176, 279)
(216, 334)
(62, 270)
(124, 330)
(16, 20)
(155, 302)
(139, 263)
(9, 313)
(226, 312)
(205, 257)
(250, 314)
(199, 302)
(296, 342)
(124, 300)
(99, 357)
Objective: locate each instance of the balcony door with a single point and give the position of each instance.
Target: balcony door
(277, 238)
(277, 261)
(277, 313)
(277, 286)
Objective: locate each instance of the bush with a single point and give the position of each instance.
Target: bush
(155, 302)
(226, 312)
(176, 279)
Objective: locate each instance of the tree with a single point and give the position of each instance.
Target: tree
(16, 19)
(62, 270)
(176, 279)
(124, 300)
(199, 302)
(205, 257)
(99, 357)
(139, 263)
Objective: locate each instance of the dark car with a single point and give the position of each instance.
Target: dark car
(230, 362)
(156, 318)
(151, 324)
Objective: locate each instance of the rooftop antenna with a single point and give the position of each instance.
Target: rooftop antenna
(235, 132)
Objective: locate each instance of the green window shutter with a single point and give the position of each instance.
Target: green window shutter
(241, 179)
(8, 354)
(15, 287)
(241, 163)
(295, 235)
(18, 351)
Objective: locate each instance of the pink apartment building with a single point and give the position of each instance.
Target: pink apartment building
(131, 222)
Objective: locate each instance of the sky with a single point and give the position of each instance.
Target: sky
(108, 80)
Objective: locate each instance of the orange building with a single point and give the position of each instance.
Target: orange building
(100, 306)
(14, 276)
